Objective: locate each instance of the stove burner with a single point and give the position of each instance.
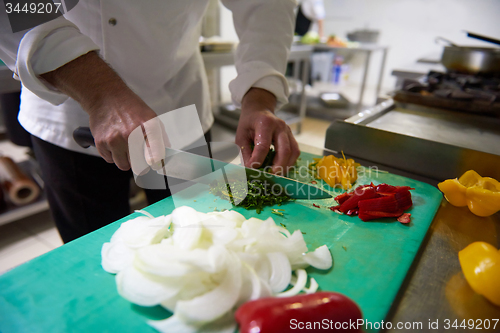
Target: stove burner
(462, 92)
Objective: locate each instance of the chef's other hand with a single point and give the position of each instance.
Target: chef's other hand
(259, 126)
(114, 109)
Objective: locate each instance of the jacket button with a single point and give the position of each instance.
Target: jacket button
(112, 21)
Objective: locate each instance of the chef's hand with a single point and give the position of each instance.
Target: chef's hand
(259, 126)
(114, 110)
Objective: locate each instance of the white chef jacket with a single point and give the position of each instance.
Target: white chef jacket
(153, 46)
(314, 10)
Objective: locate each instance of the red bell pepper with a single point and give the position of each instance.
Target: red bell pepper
(371, 202)
(363, 193)
(299, 313)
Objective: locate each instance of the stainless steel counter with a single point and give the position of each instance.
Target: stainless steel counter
(431, 145)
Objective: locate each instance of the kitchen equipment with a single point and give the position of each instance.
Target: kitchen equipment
(483, 38)
(431, 144)
(186, 165)
(478, 94)
(469, 59)
(364, 36)
(61, 290)
(19, 188)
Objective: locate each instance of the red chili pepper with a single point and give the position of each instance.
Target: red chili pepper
(291, 314)
(316, 205)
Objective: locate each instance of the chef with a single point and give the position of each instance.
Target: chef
(115, 65)
(310, 17)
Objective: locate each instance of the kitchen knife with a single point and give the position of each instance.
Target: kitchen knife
(191, 165)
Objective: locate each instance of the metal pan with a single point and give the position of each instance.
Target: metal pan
(470, 59)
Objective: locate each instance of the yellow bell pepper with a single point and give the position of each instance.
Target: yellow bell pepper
(480, 264)
(336, 171)
(480, 194)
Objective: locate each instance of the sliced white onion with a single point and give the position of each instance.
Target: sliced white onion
(116, 257)
(320, 258)
(137, 288)
(202, 266)
(142, 231)
(313, 287)
(299, 285)
(253, 286)
(140, 211)
(281, 271)
(215, 303)
(167, 260)
(187, 228)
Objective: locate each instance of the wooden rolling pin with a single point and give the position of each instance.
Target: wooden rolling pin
(19, 188)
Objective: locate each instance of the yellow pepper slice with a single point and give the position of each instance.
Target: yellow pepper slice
(480, 264)
(336, 171)
(480, 194)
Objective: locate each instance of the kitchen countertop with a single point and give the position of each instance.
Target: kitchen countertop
(435, 288)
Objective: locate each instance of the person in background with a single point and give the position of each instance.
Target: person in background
(113, 66)
(310, 17)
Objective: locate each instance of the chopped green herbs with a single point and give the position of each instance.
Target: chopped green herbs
(278, 211)
(260, 194)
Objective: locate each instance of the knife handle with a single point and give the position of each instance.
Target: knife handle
(83, 136)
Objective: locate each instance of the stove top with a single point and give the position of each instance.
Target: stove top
(455, 91)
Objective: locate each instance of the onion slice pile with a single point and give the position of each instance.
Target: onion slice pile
(203, 266)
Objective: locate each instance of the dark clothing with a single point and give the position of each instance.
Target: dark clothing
(85, 192)
(302, 24)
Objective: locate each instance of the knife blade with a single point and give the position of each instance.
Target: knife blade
(196, 165)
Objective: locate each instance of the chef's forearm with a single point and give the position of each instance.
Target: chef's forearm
(89, 80)
(258, 99)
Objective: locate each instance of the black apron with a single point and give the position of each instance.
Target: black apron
(302, 24)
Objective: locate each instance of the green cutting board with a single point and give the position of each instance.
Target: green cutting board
(66, 290)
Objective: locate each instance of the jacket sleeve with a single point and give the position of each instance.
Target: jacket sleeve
(39, 50)
(265, 29)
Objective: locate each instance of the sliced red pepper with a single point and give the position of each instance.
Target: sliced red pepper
(403, 196)
(382, 204)
(367, 192)
(352, 212)
(371, 215)
(343, 197)
(386, 188)
(405, 218)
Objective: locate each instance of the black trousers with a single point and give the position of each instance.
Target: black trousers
(85, 192)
